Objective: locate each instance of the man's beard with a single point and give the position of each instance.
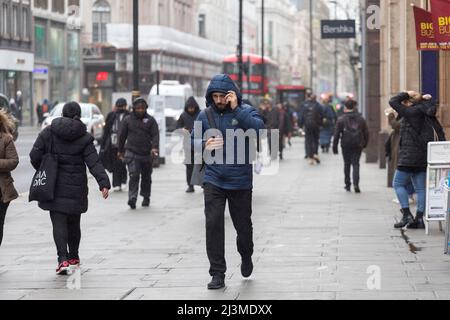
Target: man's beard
(140, 115)
(221, 107)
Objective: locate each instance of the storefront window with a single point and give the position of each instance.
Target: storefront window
(73, 85)
(40, 35)
(57, 46)
(73, 47)
(100, 79)
(57, 85)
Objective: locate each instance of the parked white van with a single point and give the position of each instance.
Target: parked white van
(175, 95)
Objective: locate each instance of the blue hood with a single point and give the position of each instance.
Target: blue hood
(221, 83)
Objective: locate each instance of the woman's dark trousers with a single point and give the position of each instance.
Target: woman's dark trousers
(67, 235)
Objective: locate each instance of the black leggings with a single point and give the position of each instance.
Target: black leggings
(67, 235)
(3, 208)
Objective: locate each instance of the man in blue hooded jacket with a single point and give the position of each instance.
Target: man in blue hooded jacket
(225, 181)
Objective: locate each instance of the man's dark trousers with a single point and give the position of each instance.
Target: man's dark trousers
(240, 205)
(140, 168)
(352, 157)
(312, 136)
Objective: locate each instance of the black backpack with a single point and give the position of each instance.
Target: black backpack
(353, 136)
(312, 116)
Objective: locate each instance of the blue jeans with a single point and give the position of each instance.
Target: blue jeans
(401, 181)
(410, 188)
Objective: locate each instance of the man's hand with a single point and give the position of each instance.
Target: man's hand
(105, 193)
(120, 156)
(232, 99)
(155, 153)
(214, 144)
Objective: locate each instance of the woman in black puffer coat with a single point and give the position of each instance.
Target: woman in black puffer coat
(75, 149)
(419, 115)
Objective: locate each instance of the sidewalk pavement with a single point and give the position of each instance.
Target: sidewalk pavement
(312, 241)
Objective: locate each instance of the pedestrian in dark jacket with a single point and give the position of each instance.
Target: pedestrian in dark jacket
(232, 182)
(416, 112)
(8, 162)
(186, 123)
(138, 146)
(282, 122)
(311, 119)
(269, 115)
(110, 144)
(329, 124)
(352, 131)
(292, 117)
(74, 147)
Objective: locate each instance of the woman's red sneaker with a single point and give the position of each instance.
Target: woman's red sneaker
(63, 268)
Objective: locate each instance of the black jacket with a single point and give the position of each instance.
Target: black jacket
(108, 153)
(75, 149)
(358, 120)
(412, 151)
(140, 135)
(187, 120)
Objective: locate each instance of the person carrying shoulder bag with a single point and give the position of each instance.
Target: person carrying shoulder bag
(72, 148)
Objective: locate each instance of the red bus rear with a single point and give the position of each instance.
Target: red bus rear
(252, 86)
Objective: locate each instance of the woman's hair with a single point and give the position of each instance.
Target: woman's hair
(7, 125)
(415, 97)
(72, 110)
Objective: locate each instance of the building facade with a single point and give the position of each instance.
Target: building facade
(279, 34)
(394, 64)
(173, 45)
(323, 50)
(57, 71)
(218, 21)
(16, 51)
(403, 67)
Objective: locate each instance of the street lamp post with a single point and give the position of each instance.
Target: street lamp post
(311, 44)
(136, 92)
(335, 53)
(263, 65)
(240, 61)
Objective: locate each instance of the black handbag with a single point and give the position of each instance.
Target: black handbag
(198, 173)
(43, 185)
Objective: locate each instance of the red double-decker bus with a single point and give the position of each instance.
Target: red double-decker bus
(254, 87)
